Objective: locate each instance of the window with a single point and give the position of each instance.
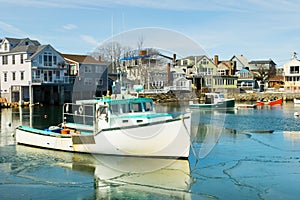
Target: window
(88, 69)
(4, 60)
(294, 69)
(5, 76)
(204, 62)
(50, 76)
(22, 75)
(21, 59)
(5, 47)
(40, 59)
(229, 82)
(54, 60)
(115, 108)
(37, 74)
(219, 81)
(13, 76)
(57, 73)
(136, 107)
(88, 81)
(47, 59)
(13, 59)
(99, 69)
(100, 82)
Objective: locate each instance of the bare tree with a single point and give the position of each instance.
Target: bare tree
(112, 52)
(261, 75)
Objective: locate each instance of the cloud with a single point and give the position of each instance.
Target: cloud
(70, 27)
(90, 40)
(11, 29)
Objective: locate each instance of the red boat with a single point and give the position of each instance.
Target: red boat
(270, 102)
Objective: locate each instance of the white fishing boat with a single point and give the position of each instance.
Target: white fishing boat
(296, 101)
(214, 101)
(127, 127)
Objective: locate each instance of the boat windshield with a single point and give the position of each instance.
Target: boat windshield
(221, 96)
(131, 107)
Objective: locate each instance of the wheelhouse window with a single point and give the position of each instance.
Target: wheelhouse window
(125, 108)
(148, 106)
(114, 108)
(136, 107)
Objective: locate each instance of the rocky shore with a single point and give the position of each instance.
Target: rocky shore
(186, 96)
(265, 95)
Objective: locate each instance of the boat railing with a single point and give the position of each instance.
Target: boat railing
(79, 115)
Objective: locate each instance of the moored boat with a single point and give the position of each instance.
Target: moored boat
(215, 101)
(127, 127)
(274, 102)
(296, 101)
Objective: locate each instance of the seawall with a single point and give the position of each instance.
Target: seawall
(265, 95)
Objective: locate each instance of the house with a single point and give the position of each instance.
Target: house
(31, 72)
(246, 80)
(262, 70)
(292, 75)
(90, 77)
(225, 67)
(240, 62)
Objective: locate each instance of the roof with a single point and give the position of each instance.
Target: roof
(81, 58)
(276, 78)
(262, 61)
(17, 40)
(242, 59)
(34, 50)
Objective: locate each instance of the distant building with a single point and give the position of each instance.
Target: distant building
(292, 75)
(31, 72)
(90, 77)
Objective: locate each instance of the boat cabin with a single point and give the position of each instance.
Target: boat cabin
(98, 114)
(213, 98)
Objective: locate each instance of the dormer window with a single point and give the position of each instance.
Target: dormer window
(5, 47)
(26, 43)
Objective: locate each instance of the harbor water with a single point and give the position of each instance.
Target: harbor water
(236, 154)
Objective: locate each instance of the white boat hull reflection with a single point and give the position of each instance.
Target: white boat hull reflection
(115, 176)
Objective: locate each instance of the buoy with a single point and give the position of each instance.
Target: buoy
(65, 131)
(296, 114)
(45, 116)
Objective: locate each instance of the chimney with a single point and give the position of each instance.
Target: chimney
(174, 59)
(99, 58)
(216, 60)
(168, 74)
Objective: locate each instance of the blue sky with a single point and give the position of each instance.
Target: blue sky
(255, 28)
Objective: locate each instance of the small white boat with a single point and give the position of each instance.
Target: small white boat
(128, 127)
(296, 101)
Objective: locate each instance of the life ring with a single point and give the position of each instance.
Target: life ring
(80, 109)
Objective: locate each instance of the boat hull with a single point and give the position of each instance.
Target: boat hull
(269, 103)
(170, 138)
(226, 104)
